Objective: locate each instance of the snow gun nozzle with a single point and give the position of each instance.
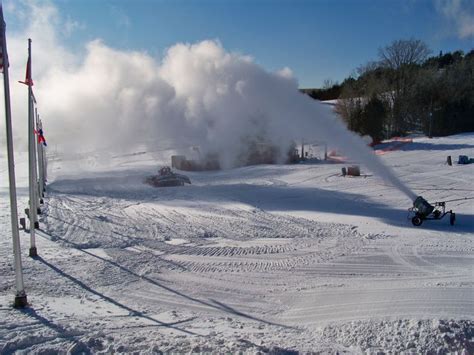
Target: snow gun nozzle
(422, 207)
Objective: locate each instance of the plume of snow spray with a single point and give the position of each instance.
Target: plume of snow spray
(198, 95)
(356, 148)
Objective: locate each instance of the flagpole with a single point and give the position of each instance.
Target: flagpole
(31, 159)
(45, 163)
(35, 158)
(20, 297)
(40, 158)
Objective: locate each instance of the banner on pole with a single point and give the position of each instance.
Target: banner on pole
(28, 80)
(41, 138)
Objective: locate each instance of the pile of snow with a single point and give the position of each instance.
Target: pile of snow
(413, 336)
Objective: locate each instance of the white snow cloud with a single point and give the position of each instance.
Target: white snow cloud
(197, 95)
(460, 14)
(286, 73)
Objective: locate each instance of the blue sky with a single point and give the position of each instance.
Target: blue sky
(317, 40)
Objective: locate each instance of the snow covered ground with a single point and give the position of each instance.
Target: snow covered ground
(274, 258)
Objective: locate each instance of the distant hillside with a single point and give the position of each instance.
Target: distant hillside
(406, 90)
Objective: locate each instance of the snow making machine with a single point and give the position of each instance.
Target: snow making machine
(422, 210)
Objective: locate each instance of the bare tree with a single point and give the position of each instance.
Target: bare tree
(367, 68)
(401, 53)
(329, 83)
(400, 59)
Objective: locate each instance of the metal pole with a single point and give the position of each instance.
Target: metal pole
(45, 165)
(41, 164)
(35, 157)
(20, 297)
(40, 160)
(31, 159)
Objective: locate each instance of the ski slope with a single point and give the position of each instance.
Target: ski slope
(266, 258)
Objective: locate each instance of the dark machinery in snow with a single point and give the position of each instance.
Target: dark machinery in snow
(422, 210)
(166, 177)
(353, 170)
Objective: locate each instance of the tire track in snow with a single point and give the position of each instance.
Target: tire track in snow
(218, 240)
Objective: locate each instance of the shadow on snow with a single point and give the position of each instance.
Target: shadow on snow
(211, 304)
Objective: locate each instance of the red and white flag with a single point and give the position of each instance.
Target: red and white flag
(41, 138)
(28, 80)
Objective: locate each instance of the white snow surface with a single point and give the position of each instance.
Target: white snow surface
(270, 259)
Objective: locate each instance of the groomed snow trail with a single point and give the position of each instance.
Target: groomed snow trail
(265, 258)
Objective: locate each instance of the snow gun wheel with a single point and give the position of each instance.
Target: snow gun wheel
(452, 219)
(417, 221)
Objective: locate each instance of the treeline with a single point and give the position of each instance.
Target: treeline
(406, 90)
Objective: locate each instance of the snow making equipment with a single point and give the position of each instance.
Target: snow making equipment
(353, 170)
(423, 210)
(463, 159)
